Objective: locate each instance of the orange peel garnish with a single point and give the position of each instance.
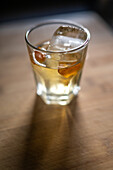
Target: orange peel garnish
(67, 69)
(39, 57)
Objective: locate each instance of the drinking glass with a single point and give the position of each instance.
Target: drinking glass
(57, 51)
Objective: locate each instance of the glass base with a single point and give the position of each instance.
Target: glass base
(59, 99)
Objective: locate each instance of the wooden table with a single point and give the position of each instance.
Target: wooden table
(36, 136)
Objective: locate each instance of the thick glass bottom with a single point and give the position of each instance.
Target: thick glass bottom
(60, 99)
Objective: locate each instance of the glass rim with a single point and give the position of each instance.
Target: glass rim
(65, 22)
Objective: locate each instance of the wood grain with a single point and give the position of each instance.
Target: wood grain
(36, 136)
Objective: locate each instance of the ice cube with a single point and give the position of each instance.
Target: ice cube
(51, 63)
(65, 38)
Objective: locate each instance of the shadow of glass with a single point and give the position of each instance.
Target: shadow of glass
(53, 140)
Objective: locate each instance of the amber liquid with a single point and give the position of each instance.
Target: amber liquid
(57, 75)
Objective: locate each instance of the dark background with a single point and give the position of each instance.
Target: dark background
(22, 9)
